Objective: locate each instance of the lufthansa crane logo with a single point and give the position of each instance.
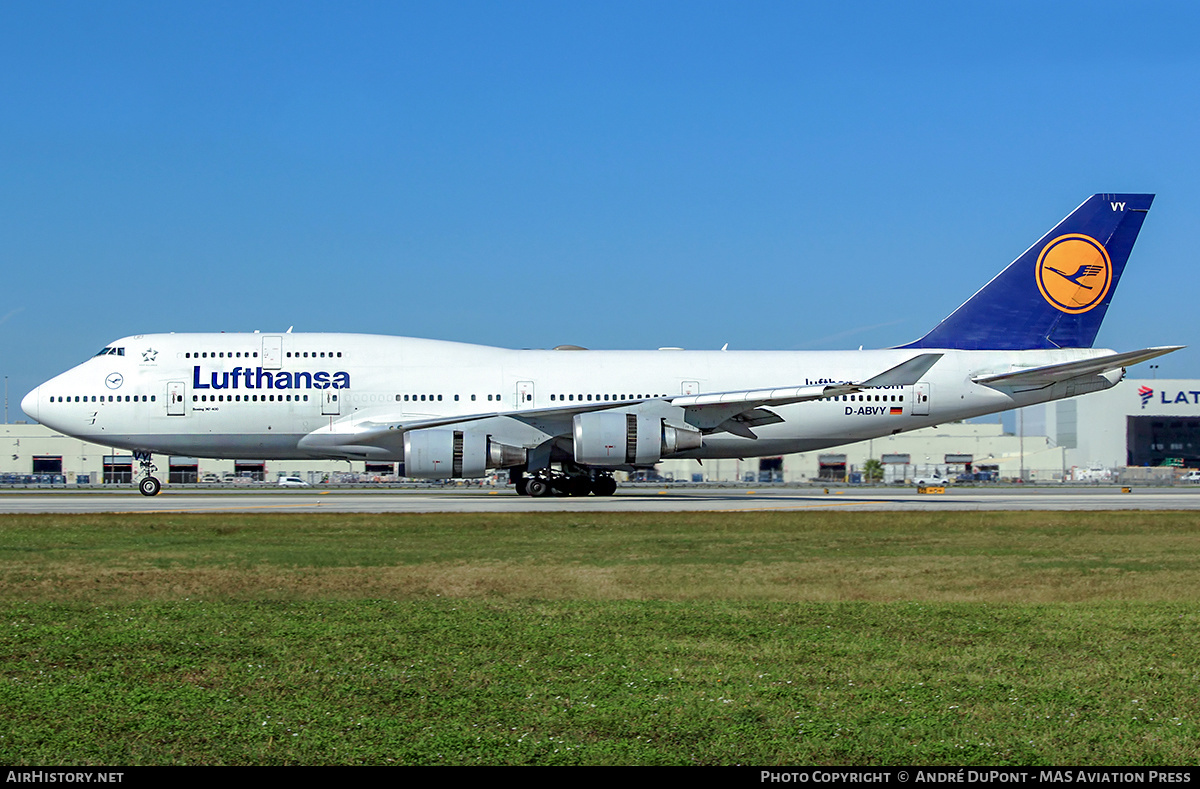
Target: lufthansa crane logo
(1074, 273)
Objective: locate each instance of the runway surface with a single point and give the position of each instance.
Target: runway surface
(641, 499)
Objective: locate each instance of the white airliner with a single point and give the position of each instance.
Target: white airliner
(561, 421)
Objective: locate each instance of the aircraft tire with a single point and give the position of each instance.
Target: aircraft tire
(604, 486)
(522, 486)
(537, 487)
(149, 486)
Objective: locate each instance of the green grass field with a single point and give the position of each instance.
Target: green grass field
(760, 638)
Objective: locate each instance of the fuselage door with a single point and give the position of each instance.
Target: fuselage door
(177, 398)
(331, 402)
(524, 394)
(272, 358)
(920, 403)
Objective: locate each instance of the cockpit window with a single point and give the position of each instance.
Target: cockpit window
(111, 352)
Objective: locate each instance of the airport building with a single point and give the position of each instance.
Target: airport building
(36, 454)
(1153, 425)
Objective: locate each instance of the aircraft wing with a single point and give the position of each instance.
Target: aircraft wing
(1038, 377)
(720, 410)
(702, 410)
(735, 412)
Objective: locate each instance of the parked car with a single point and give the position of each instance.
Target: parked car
(978, 476)
(292, 482)
(1191, 476)
(931, 482)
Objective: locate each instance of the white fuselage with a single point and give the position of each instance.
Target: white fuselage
(258, 395)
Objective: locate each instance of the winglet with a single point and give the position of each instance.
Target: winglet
(905, 374)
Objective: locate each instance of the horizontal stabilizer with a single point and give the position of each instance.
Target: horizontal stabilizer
(1053, 373)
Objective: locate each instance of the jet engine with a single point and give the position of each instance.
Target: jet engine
(443, 453)
(616, 439)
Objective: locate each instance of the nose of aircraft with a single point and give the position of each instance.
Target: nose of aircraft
(30, 404)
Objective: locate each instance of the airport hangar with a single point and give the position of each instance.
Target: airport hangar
(1138, 423)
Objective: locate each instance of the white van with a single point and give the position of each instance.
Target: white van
(292, 482)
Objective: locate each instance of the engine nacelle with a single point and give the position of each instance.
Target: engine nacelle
(505, 456)
(680, 439)
(444, 453)
(616, 439)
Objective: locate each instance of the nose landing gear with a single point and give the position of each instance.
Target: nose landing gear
(149, 485)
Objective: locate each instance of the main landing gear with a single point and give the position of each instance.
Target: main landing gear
(149, 485)
(575, 482)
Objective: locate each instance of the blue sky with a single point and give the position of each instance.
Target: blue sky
(613, 175)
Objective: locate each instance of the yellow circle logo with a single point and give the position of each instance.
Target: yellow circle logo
(1074, 273)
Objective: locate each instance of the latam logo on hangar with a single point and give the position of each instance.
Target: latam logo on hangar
(1185, 396)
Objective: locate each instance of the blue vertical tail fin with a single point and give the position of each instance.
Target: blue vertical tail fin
(1056, 293)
